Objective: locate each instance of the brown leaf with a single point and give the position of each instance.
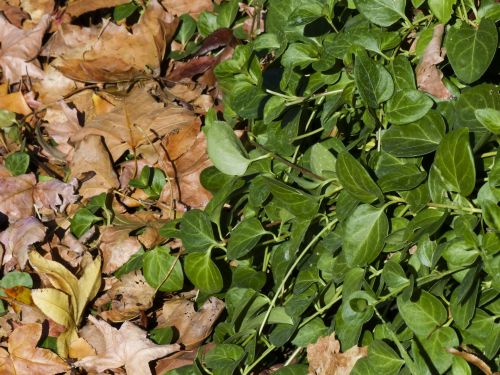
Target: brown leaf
(37, 8)
(79, 7)
(194, 8)
(27, 359)
(191, 68)
(18, 238)
(55, 195)
(15, 15)
(325, 358)
(219, 38)
(16, 196)
(127, 297)
(20, 49)
(429, 77)
(127, 347)
(111, 53)
(193, 326)
(117, 247)
(54, 85)
(137, 123)
(91, 156)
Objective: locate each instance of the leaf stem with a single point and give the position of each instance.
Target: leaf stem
(456, 208)
(249, 368)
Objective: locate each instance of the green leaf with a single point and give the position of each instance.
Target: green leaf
(471, 50)
(292, 370)
(416, 139)
(394, 275)
(273, 108)
(322, 160)
(356, 180)
(124, 10)
(162, 335)
(162, 270)
(442, 9)
(424, 315)
(407, 106)
(310, 332)
(244, 238)
(293, 200)
(224, 358)
(382, 12)
(454, 162)
(402, 73)
(225, 149)
(7, 118)
(187, 29)
(435, 346)
(299, 54)
(134, 263)
(364, 235)
(227, 13)
(489, 118)
(16, 278)
(82, 221)
(17, 163)
(203, 272)
(382, 359)
(196, 231)
(306, 13)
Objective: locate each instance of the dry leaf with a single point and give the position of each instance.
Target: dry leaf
(194, 8)
(91, 156)
(18, 238)
(25, 358)
(112, 53)
(138, 121)
(54, 86)
(16, 196)
(37, 8)
(127, 347)
(55, 195)
(117, 247)
(325, 358)
(127, 297)
(15, 102)
(20, 49)
(429, 77)
(14, 14)
(78, 7)
(193, 326)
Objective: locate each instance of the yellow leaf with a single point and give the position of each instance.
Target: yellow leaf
(88, 286)
(54, 304)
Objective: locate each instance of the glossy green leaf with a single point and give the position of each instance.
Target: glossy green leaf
(299, 54)
(293, 200)
(442, 9)
(310, 332)
(244, 238)
(134, 263)
(407, 106)
(374, 82)
(435, 347)
(203, 272)
(402, 73)
(381, 12)
(356, 180)
(364, 235)
(82, 221)
(7, 118)
(471, 50)
(322, 160)
(454, 162)
(224, 356)
(17, 163)
(196, 231)
(273, 108)
(489, 118)
(423, 315)
(124, 10)
(163, 271)
(162, 336)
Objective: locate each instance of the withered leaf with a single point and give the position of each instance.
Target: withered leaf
(117, 246)
(76, 8)
(193, 8)
(16, 196)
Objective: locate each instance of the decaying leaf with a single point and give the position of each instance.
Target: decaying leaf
(15, 102)
(54, 194)
(429, 77)
(20, 49)
(325, 358)
(127, 297)
(66, 303)
(193, 326)
(76, 8)
(25, 358)
(193, 8)
(127, 347)
(17, 239)
(16, 196)
(117, 247)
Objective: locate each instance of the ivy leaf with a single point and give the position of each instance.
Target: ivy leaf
(17, 163)
(435, 346)
(365, 232)
(244, 238)
(203, 272)
(407, 106)
(293, 200)
(374, 82)
(382, 12)
(454, 162)
(424, 315)
(196, 231)
(162, 270)
(471, 50)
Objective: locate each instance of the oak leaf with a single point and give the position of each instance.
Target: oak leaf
(127, 347)
(24, 358)
(325, 358)
(20, 49)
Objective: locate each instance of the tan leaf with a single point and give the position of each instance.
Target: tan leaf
(325, 358)
(127, 297)
(15, 102)
(117, 247)
(193, 326)
(6, 364)
(127, 347)
(112, 53)
(18, 238)
(78, 7)
(30, 360)
(429, 77)
(55, 194)
(194, 8)
(14, 14)
(54, 85)
(91, 156)
(20, 49)
(16, 196)
(37, 8)
(137, 122)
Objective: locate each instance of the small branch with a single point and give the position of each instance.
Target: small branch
(472, 359)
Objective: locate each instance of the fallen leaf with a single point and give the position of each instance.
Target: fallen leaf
(127, 347)
(13, 13)
(325, 358)
(54, 194)
(37, 8)
(18, 238)
(193, 8)
(76, 8)
(20, 49)
(193, 326)
(117, 246)
(91, 156)
(219, 38)
(54, 86)
(429, 77)
(112, 53)
(180, 359)
(191, 68)
(137, 123)
(16, 196)
(127, 297)
(15, 102)
(25, 358)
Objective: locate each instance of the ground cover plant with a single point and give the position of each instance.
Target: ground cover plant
(280, 186)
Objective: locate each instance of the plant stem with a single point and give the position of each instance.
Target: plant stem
(256, 362)
(456, 208)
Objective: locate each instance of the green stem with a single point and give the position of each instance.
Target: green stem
(249, 368)
(456, 208)
(305, 135)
